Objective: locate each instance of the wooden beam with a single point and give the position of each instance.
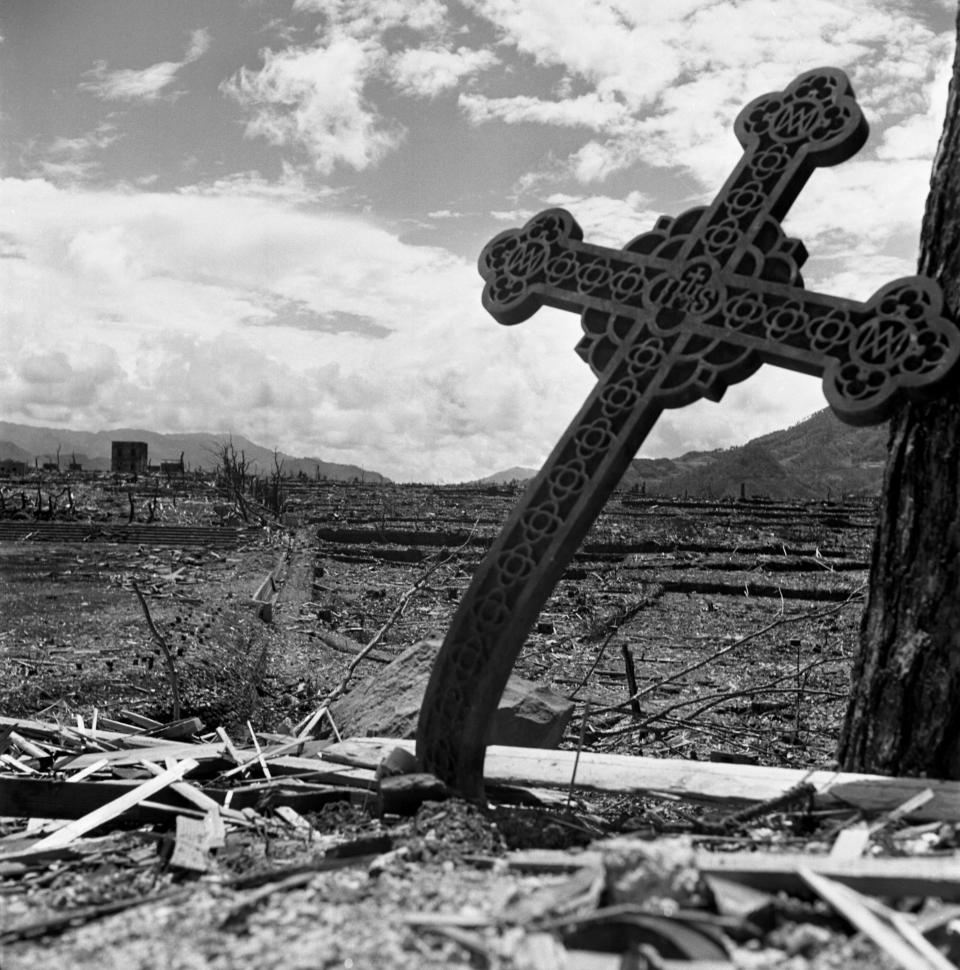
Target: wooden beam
(714, 782)
(111, 810)
(854, 908)
(207, 751)
(53, 734)
(771, 872)
(33, 797)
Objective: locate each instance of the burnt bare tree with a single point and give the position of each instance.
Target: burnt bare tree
(232, 472)
(276, 493)
(904, 711)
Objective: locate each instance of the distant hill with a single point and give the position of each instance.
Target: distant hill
(818, 456)
(515, 474)
(824, 452)
(92, 449)
(14, 453)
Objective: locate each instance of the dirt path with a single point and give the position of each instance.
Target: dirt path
(299, 667)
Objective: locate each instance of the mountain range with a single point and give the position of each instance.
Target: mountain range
(91, 450)
(817, 458)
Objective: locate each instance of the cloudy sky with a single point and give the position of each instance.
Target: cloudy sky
(263, 216)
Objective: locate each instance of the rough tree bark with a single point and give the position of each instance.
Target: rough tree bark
(904, 711)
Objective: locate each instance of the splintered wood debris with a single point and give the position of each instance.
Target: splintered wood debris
(741, 866)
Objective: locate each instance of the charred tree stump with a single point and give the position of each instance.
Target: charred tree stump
(904, 712)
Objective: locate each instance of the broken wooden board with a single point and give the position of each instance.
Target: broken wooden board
(204, 751)
(714, 782)
(772, 872)
(23, 797)
(105, 813)
(213, 755)
(47, 731)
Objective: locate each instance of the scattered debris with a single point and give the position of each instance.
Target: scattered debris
(190, 810)
(278, 846)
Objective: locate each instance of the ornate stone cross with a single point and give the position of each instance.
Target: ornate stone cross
(681, 312)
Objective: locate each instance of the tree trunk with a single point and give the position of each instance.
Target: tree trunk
(904, 711)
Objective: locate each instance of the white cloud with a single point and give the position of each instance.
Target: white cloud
(73, 159)
(367, 18)
(667, 80)
(314, 98)
(912, 138)
(199, 45)
(607, 221)
(100, 138)
(248, 302)
(515, 216)
(145, 84)
(860, 223)
(289, 188)
(152, 301)
(588, 111)
(426, 72)
(917, 134)
(104, 254)
(614, 46)
(596, 160)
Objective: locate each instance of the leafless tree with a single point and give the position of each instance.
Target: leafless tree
(232, 474)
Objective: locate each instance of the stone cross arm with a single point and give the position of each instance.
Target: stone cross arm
(869, 353)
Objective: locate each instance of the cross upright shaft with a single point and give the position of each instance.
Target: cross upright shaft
(682, 312)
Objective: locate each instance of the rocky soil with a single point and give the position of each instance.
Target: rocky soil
(738, 621)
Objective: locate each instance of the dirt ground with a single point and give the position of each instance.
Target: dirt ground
(663, 585)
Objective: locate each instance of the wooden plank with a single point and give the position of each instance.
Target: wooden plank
(229, 746)
(86, 772)
(111, 810)
(28, 747)
(898, 877)
(850, 842)
(207, 751)
(262, 757)
(702, 780)
(140, 720)
(324, 773)
(15, 764)
(121, 727)
(52, 732)
(191, 849)
(363, 752)
(44, 798)
(850, 904)
(194, 795)
(31, 797)
(184, 728)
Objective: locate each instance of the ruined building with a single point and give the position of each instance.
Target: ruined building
(128, 457)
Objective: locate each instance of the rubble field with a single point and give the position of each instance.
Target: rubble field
(175, 790)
